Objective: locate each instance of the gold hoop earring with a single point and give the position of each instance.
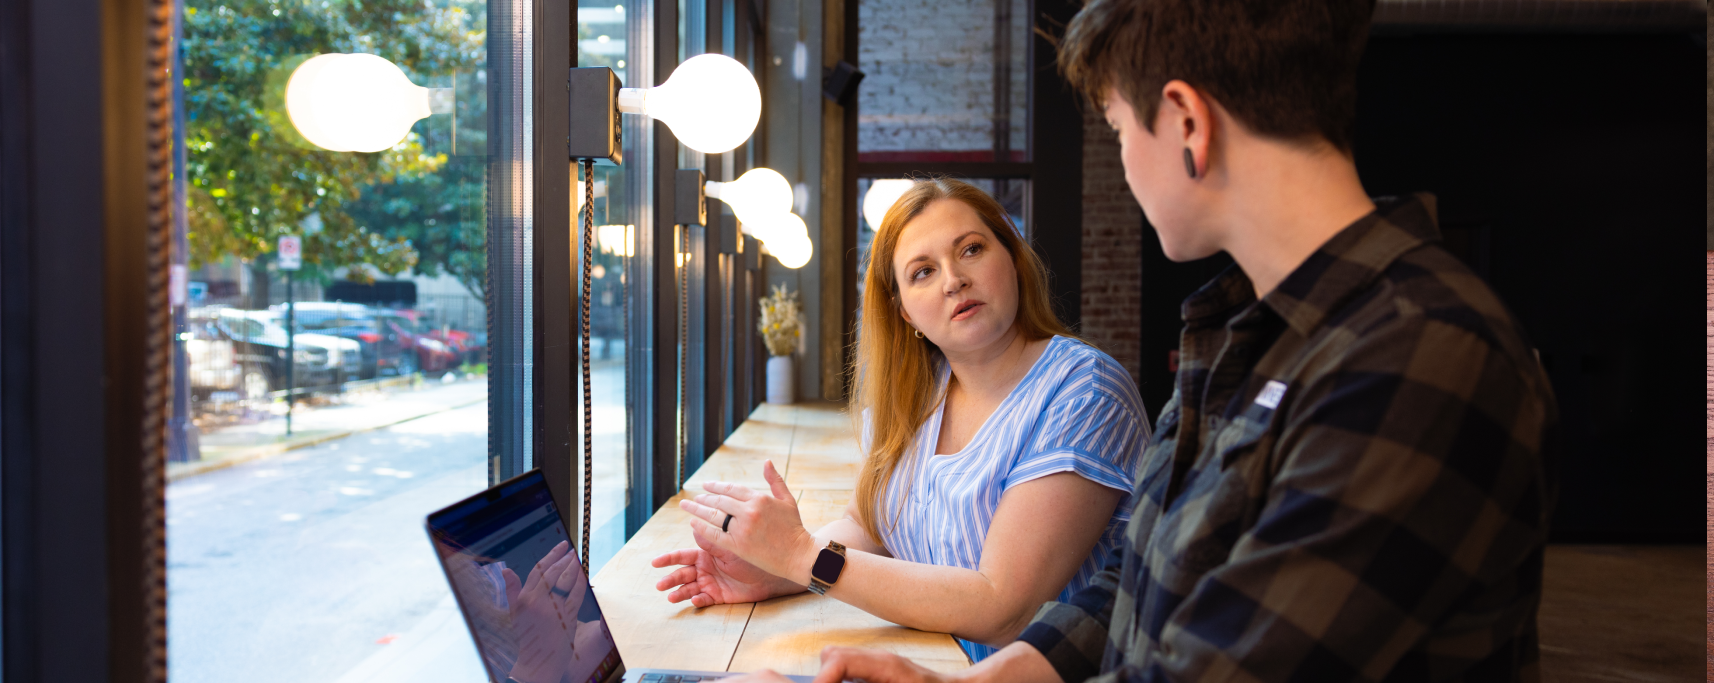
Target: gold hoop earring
(918, 333)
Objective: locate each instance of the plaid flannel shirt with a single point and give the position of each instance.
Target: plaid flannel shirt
(1351, 482)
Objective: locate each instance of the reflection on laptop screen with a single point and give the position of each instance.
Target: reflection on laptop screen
(524, 594)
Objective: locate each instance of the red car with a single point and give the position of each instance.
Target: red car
(431, 355)
(468, 346)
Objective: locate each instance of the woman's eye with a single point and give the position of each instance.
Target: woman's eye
(920, 274)
(973, 250)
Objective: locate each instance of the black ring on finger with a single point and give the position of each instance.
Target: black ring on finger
(727, 523)
(556, 590)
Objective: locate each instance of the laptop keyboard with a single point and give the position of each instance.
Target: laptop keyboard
(668, 678)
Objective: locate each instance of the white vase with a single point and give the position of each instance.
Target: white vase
(780, 380)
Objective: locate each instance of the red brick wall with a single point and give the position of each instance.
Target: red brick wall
(1112, 248)
(1711, 454)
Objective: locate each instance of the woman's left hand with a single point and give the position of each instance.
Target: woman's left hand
(766, 529)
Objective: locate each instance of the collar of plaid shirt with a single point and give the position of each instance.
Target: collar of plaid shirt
(1350, 482)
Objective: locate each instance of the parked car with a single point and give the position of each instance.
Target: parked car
(346, 362)
(471, 347)
(212, 362)
(259, 347)
(381, 350)
(431, 354)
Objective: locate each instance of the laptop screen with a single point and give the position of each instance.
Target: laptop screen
(517, 578)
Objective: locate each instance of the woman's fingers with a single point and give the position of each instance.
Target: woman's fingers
(777, 483)
(711, 534)
(722, 503)
(741, 493)
(679, 577)
(681, 594)
(703, 512)
(684, 556)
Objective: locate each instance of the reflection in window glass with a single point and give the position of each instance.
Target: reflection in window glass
(946, 81)
(300, 555)
(601, 41)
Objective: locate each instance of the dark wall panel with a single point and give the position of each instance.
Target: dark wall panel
(1566, 172)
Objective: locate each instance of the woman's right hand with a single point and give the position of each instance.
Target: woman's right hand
(711, 576)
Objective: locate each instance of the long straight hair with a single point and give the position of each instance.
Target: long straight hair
(893, 371)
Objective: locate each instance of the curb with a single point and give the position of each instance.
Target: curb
(264, 452)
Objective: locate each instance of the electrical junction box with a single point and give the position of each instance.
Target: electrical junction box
(690, 198)
(594, 131)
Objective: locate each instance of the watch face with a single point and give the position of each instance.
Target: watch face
(828, 565)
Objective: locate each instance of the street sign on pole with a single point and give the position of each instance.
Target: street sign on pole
(291, 252)
(291, 259)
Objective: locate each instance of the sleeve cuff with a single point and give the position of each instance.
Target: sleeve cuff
(1069, 638)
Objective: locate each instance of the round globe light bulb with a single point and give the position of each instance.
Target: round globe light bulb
(882, 195)
(793, 251)
(759, 193)
(775, 227)
(786, 236)
(353, 102)
(710, 102)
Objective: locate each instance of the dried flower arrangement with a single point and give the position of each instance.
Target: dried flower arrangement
(781, 323)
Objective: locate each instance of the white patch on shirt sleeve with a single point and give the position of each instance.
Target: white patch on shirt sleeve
(1271, 394)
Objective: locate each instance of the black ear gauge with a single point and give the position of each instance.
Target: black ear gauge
(1189, 163)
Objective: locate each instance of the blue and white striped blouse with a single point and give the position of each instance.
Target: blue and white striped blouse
(1075, 411)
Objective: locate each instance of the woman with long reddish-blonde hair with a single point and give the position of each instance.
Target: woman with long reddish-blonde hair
(998, 447)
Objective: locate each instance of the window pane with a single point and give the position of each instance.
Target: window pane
(1012, 193)
(946, 82)
(339, 403)
(601, 32)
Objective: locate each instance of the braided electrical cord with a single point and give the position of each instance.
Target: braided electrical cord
(683, 262)
(583, 347)
(158, 340)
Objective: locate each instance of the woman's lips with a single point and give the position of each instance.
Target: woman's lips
(966, 310)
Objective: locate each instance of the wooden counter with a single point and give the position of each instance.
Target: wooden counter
(815, 447)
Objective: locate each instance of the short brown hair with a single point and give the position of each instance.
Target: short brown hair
(1284, 68)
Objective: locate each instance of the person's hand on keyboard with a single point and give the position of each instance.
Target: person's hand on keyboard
(763, 676)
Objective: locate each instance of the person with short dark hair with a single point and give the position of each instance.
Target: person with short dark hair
(1353, 479)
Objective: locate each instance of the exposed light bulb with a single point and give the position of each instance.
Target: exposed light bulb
(355, 102)
(710, 102)
(757, 194)
(882, 195)
(786, 236)
(793, 251)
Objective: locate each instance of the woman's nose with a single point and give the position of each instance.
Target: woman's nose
(955, 281)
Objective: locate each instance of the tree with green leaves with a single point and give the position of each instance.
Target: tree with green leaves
(252, 178)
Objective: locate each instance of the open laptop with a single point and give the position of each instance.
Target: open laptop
(489, 545)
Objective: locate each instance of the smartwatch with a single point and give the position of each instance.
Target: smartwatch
(827, 567)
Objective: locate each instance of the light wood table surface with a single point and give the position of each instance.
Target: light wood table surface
(815, 447)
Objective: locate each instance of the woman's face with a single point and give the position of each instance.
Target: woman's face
(957, 283)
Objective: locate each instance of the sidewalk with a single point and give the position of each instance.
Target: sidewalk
(360, 412)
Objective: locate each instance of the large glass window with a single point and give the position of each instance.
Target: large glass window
(947, 93)
(336, 404)
(946, 82)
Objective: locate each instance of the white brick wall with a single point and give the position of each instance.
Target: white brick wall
(929, 68)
